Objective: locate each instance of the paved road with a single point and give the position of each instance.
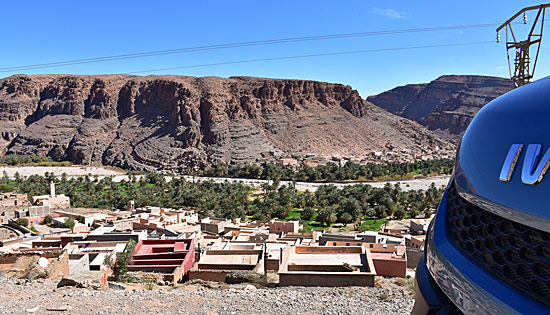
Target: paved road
(412, 184)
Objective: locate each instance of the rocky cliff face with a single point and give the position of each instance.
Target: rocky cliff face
(448, 103)
(171, 122)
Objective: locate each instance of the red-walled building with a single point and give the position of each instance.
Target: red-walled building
(174, 258)
(390, 260)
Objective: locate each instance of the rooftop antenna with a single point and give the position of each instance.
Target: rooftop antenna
(523, 69)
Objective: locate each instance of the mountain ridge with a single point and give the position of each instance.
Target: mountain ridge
(175, 122)
(445, 105)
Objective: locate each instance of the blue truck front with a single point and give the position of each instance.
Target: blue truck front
(488, 248)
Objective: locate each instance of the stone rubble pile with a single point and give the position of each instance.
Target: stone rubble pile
(43, 297)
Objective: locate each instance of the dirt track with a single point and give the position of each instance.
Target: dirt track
(413, 184)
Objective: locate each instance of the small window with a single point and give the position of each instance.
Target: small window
(371, 245)
(347, 244)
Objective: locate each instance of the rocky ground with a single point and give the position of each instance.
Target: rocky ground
(390, 296)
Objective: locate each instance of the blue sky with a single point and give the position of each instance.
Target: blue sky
(49, 31)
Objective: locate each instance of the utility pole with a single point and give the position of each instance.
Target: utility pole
(523, 68)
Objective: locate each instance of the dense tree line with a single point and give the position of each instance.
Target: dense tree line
(332, 171)
(328, 204)
(348, 204)
(329, 172)
(30, 159)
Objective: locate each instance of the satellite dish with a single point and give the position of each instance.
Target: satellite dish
(43, 262)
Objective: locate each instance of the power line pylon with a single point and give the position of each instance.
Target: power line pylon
(523, 68)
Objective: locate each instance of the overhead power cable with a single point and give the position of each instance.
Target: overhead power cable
(313, 55)
(239, 44)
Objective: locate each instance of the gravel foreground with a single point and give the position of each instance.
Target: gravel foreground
(43, 297)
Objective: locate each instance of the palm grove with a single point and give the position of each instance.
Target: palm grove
(329, 204)
(333, 171)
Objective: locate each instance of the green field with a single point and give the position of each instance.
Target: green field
(308, 224)
(372, 224)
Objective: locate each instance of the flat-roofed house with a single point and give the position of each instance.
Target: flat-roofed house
(173, 258)
(329, 266)
(389, 260)
(53, 200)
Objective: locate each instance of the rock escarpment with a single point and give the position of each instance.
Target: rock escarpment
(448, 103)
(173, 122)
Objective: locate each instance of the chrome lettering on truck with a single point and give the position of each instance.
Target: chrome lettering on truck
(533, 170)
(510, 162)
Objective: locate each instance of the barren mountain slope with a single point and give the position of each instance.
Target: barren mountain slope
(446, 104)
(170, 122)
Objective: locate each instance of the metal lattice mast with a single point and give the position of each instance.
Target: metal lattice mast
(524, 70)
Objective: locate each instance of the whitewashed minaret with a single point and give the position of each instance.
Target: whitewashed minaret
(52, 189)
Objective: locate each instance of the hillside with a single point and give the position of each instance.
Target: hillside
(446, 104)
(390, 296)
(171, 122)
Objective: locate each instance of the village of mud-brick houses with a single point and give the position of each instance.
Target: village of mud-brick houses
(173, 246)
